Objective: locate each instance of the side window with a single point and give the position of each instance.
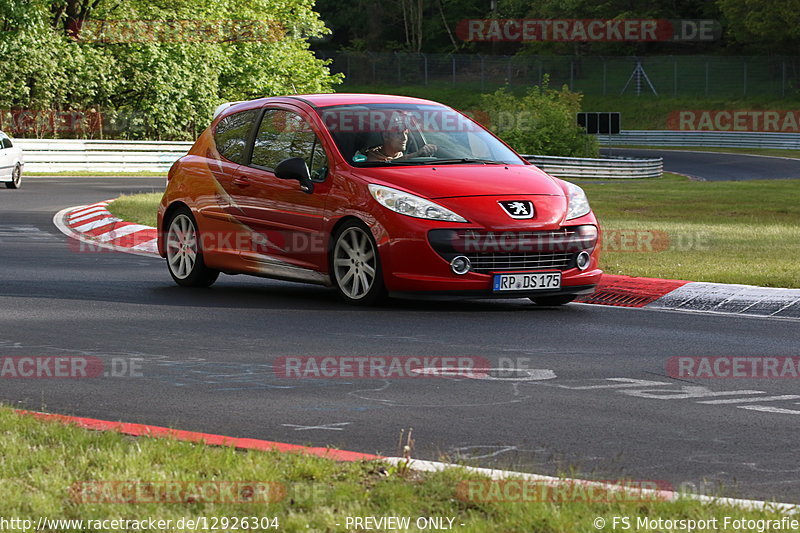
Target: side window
(232, 133)
(5, 142)
(283, 134)
(318, 166)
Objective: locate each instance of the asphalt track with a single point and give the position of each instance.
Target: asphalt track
(715, 166)
(205, 361)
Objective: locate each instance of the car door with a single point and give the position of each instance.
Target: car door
(6, 163)
(232, 136)
(289, 220)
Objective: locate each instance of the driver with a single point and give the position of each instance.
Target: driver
(394, 145)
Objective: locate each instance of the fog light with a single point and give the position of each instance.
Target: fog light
(583, 260)
(460, 265)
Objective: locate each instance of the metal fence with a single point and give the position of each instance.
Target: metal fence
(605, 168)
(722, 139)
(709, 76)
(60, 155)
(45, 155)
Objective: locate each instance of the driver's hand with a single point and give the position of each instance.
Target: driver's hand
(427, 150)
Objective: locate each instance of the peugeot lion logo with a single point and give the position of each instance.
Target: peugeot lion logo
(518, 208)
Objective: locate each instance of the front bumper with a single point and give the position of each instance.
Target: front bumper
(488, 294)
(413, 268)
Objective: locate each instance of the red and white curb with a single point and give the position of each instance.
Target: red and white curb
(144, 430)
(697, 296)
(93, 225)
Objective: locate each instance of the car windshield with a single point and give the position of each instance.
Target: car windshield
(410, 134)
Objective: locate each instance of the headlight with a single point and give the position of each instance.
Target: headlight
(413, 206)
(577, 203)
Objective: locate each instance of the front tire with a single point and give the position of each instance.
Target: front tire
(184, 256)
(356, 266)
(552, 301)
(16, 178)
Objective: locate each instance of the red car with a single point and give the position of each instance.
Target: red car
(374, 195)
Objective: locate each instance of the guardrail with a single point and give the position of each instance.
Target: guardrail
(57, 155)
(605, 168)
(719, 139)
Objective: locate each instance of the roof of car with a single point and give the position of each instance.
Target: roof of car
(330, 99)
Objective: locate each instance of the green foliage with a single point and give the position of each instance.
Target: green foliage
(164, 88)
(766, 25)
(541, 122)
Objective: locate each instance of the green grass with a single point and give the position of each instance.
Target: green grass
(139, 208)
(725, 232)
(43, 462)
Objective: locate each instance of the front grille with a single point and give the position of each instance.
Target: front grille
(490, 251)
(498, 261)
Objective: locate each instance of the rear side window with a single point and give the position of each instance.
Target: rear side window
(6, 142)
(232, 133)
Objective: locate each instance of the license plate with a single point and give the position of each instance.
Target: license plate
(521, 281)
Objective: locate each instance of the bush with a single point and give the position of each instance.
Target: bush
(542, 122)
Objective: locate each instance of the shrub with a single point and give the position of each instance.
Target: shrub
(541, 122)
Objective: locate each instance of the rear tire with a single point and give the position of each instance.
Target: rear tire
(552, 301)
(356, 266)
(16, 178)
(184, 256)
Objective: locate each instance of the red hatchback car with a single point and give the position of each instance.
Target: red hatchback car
(374, 195)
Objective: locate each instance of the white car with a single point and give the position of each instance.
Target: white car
(11, 162)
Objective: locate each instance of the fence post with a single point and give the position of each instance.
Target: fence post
(508, 69)
(425, 62)
(571, 73)
(706, 79)
(605, 75)
(397, 59)
(674, 76)
(454, 68)
(783, 78)
(744, 76)
(483, 76)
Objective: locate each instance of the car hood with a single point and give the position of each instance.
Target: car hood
(452, 181)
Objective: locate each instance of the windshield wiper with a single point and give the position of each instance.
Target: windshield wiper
(463, 160)
(385, 163)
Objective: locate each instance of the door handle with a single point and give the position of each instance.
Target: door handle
(241, 181)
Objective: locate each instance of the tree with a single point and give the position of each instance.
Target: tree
(160, 85)
(768, 25)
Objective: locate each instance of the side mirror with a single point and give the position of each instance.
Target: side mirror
(295, 168)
